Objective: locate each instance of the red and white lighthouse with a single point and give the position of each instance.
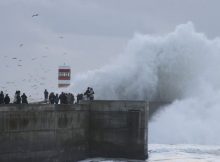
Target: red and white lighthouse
(64, 76)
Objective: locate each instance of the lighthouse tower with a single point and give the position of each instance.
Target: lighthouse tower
(64, 76)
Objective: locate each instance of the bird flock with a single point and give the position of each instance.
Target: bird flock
(34, 72)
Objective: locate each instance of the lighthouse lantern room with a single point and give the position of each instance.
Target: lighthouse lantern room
(64, 75)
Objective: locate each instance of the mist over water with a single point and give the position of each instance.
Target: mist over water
(181, 66)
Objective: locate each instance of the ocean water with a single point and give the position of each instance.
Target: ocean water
(174, 153)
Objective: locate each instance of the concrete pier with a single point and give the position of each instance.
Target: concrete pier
(68, 133)
(43, 133)
(118, 129)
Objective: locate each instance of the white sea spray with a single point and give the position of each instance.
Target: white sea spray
(181, 66)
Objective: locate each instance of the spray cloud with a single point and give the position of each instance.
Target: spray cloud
(181, 66)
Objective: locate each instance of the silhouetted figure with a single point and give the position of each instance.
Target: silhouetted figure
(6, 99)
(24, 98)
(35, 15)
(72, 99)
(17, 99)
(56, 99)
(46, 95)
(65, 101)
(87, 93)
(63, 98)
(91, 94)
(1, 97)
(52, 98)
(79, 97)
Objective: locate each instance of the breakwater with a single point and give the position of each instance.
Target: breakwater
(68, 133)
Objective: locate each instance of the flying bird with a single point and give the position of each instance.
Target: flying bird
(35, 15)
(34, 58)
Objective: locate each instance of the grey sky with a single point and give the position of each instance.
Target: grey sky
(86, 34)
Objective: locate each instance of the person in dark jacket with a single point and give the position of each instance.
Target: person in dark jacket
(79, 97)
(1, 98)
(52, 98)
(63, 98)
(72, 98)
(18, 97)
(24, 98)
(56, 99)
(46, 95)
(6, 99)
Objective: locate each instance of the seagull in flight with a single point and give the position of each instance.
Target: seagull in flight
(35, 15)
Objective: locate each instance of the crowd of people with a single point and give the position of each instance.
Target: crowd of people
(63, 98)
(51, 98)
(87, 95)
(68, 98)
(18, 98)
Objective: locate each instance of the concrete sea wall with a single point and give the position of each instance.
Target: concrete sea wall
(68, 133)
(118, 129)
(43, 133)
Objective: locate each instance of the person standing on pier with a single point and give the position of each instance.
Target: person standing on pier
(6, 99)
(24, 98)
(46, 95)
(1, 97)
